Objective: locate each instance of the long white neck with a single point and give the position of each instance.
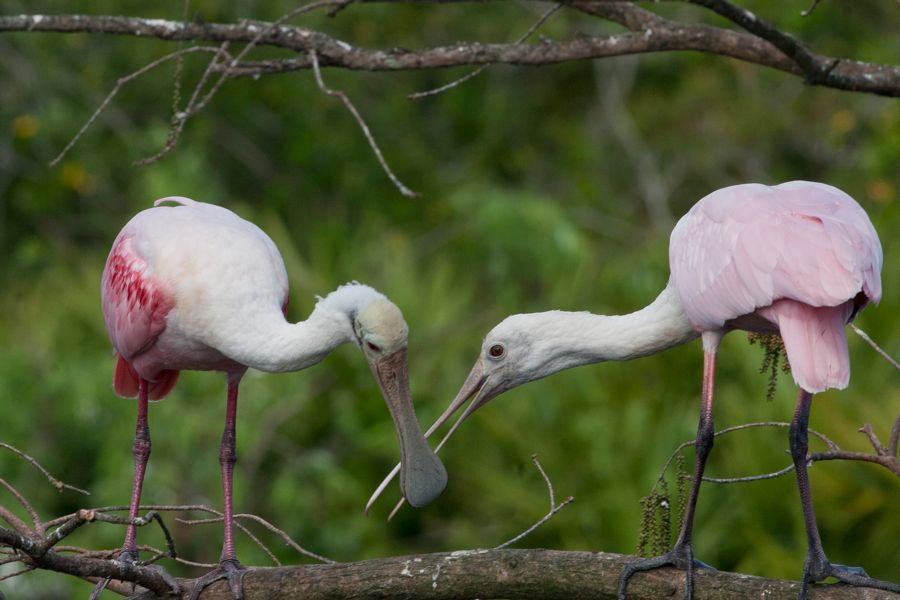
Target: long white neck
(270, 343)
(571, 339)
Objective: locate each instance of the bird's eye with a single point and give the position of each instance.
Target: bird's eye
(373, 347)
(497, 351)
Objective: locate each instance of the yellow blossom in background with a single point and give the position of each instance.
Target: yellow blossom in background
(75, 177)
(881, 191)
(24, 127)
(843, 121)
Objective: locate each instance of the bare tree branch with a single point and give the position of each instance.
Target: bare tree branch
(886, 457)
(543, 19)
(520, 574)
(119, 84)
(764, 45)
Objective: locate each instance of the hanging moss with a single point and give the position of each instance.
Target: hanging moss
(773, 356)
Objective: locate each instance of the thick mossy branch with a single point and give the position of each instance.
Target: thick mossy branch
(521, 574)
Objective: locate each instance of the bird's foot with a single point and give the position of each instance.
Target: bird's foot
(229, 569)
(819, 569)
(132, 557)
(680, 557)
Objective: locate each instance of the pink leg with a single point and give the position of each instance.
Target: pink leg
(229, 567)
(682, 555)
(227, 458)
(141, 452)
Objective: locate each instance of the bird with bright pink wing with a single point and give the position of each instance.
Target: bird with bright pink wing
(195, 287)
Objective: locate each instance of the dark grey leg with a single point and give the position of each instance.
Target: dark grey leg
(816, 567)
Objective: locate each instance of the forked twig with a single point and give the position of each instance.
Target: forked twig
(59, 485)
(554, 508)
(362, 124)
(886, 457)
(246, 531)
(284, 536)
(180, 118)
(194, 106)
(10, 518)
(543, 19)
(119, 84)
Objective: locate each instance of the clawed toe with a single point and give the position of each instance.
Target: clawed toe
(131, 557)
(855, 576)
(231, 570)
(681, 557)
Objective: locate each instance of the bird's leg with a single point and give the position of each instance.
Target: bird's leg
(141, 452)
(682, 555)
(229, 567)
(816, 567)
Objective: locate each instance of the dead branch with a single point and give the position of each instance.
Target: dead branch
(59, 485)
(554, 507)
(461, 80)
(763, 44)
(875, 346)
(884, 456)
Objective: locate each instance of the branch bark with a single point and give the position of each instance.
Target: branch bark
(764, 45)
(520, 574)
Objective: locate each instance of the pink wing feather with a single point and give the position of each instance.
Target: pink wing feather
(135, 306)
(808, 245)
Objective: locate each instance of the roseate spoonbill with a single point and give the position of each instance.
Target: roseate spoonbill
(799, 259)
(195, 287)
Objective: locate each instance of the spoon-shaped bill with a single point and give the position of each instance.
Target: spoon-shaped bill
(472, 387)
(422, 475)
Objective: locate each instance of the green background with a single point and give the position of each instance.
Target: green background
(541, 188)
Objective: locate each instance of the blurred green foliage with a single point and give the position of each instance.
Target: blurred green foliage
(531, 200)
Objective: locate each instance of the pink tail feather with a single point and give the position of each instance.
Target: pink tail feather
(815, 342)
(125, 381)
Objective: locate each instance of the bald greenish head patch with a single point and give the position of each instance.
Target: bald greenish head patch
(380, 327)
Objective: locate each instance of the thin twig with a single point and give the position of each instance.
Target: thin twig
(194, 106)
(772, 475)
(878, 348)
(287, 539)
(119, 84)
(895, 438)
(540, 469)
(17, 573)
(180, 118)
(554, 508)
(873, 439)
(808, 11)
(179, 66)
(16, 523)
(246, 531)
(59, 485)
(884, 457)
(543, 19)
(362, 124)
(831, 445)
(35, 519)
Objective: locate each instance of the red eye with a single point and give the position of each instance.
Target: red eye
(496, 351)
(373, 347)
